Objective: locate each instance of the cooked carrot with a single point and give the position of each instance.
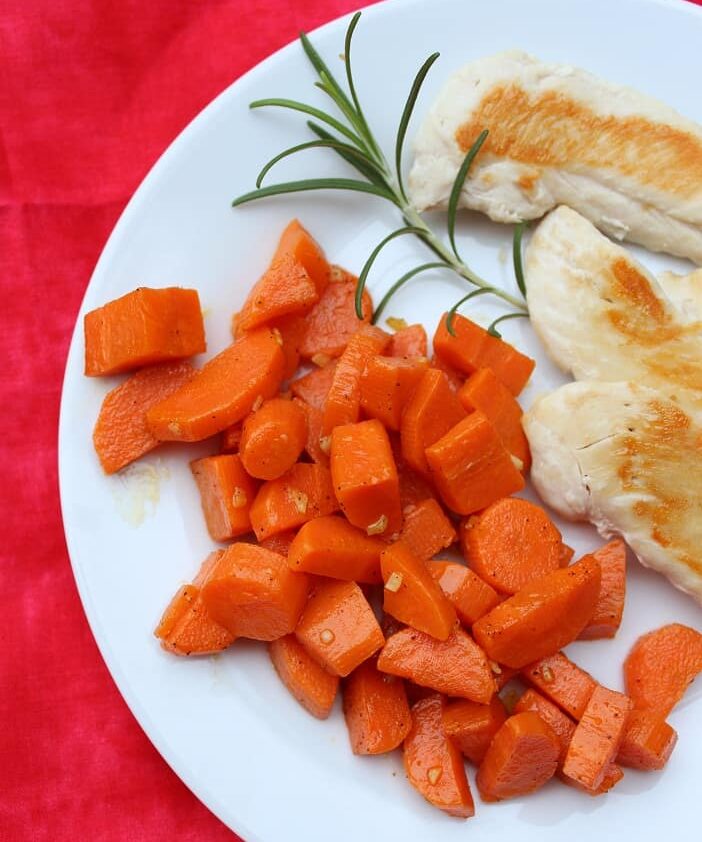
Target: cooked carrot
(412, 596)
(471, 597)
(121, 434)
(484, 392)
(414, 487)
(343, 403)
(612, 775)
(471, 467)
(376, 710)
(144, 327)
(279, 543)
(561, 724)
(431, 412)
(472, 726)
(647, 743)
(313, 446)
(542, 617)
(387, 384)
(303, 493)
(409, 341)
(511, 543)
(222, 392)
(660, 667)
(433, 764)
(567, 554)
(455, 378)
(472, 348)
(503, 675)
(253, 593)
(365, 477)
(291, 330)
(596, 739)
(562, 681)
(456, 667)
(338, 627)
(230, 439)
(607, 616)
(272, 438)
(226, 495)
(313, 687)
(426, 530)
(297, 243)
(314, 387)
(330, 546)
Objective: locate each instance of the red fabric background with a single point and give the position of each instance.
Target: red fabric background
(91, 93)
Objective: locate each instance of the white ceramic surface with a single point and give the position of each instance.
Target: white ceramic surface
(226, 724)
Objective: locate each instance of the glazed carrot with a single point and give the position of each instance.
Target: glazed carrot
(376, 710)
(121, 434)
(343, 403)
(542, 617)
(454, 377)
(660, 667)
(456, 667)
(314, 387)
(144, 327)
(253, 593)
(272, 438)
(330, 546)
(309, 683)
(410, 341)
(612, 775)
(432, 411)
(596, 739)
(472, 348)
(567, 554)
(222, 392)
(522, 757)
(284, 289)
(485, 393)
(647, 743)
(291, 330)
(471, 726)
(426, 530)
(471, 597)
(365, 477)
(433, 764)
(414, 487)
(561, 681)
(296, 243)
(511, 543)
(279, 543)
(561, 724)
(607, 615)
(303, 493)
(338, 627)
(412, 596)
(387, 384)
(226, 495)
(230, 439)
(313, 446)
(471, 467)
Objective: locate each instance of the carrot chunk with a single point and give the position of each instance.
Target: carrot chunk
(433, 764)
(561, 681)
(561, 724)
(607, 616)
(542, 617)
(291, 330)
(338, 627)
(414, 487)
(647, 743)
(296, 242)
(279, 543)
(314, 387)
(410, 341)
(121, 434)
(454, 377)
(472, 726)
(309, 683)
(313, 444)
(230, 439)
(284, 289)
(272, 438)
(226, 494)
(471, 597)
(376, 710)
(387, 384)
(426, 530)
(144, 327)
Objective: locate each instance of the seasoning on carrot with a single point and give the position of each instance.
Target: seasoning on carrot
(647, 743)
(471, 597)
(314, 387)
(472, 726)
(309, 683)
(561, 681)
(607, 616)
(272, 438)
(561, 724)
(226, 494)
(408, 341)
(387, 384)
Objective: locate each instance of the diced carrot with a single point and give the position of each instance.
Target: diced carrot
(431, 412)
(426, 530)
(272, 438)
(567, 554)
(471, 597)
(230, 439)
(410, 341)
(313, 446)
(472, 348)
(143, 327)
(365, 477)
(511, 543)
(338, 627)
(456, 667)
(562, 681)
(542, 617)
(284, 289)
(471, 467)
(607, 615)
(472, 726)
(226, 494)
(414, 487)
(296, 243)
(660, 667)
(387, 384)
(330, 546)
(313, 687)
(279, 543)
(647, 743)
(376, 710)
(222, 392)
(121, 434)
(561, 724)
(612, 775)
(303, 493)
(291, 330)
(314, 387)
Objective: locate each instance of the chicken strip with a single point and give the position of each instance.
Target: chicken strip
(559, 135)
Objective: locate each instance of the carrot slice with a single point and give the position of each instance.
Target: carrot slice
(376, 710)
(296, 243)
(226, 494)
(561, 724)
(314, 387)
(338, 627)
(607, 616)
(472, 726)
(272, 438)
(456, 667)
(647, 743)
(291, 330)
(279, 543)
(121, 434)
(454, 377)
(562, 681)
(542, 617)
(410, 341)
(222, 392)
(426, 530)
(144, 327)
(612, 775)
(387, 384)
(471, 467)
(230, 439)
(309, 683)
(284, 289)
(471, 597)
(313, 446)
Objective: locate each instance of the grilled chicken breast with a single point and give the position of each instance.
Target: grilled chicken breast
(559, 135)
(628, 459)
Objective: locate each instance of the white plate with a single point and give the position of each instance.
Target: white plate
(226, 724)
